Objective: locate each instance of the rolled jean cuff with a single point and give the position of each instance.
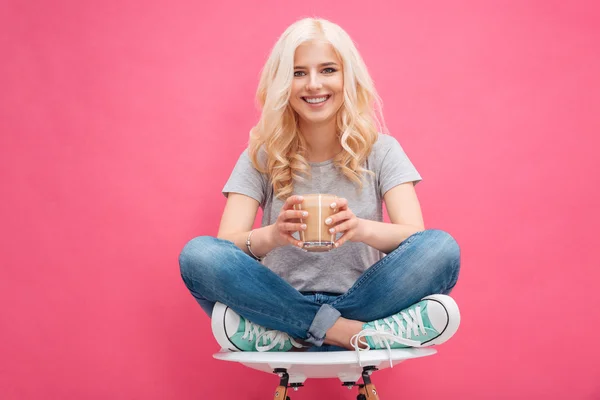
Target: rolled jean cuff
(325, 318)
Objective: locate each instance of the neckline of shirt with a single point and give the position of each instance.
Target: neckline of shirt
(320, 163)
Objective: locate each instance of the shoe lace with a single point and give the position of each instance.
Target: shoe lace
(391, 331)
(268, 337)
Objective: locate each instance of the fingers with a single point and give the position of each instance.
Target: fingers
(344, 238)
(293, 214)
(291, 227)
(343, 221)
(344, 226)
(291, 201)
(291, 240)
(340, 203)
(339, 217)
(284, 229)
(290, 220)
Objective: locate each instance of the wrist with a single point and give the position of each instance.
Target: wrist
(252, 251)
(363, 230)
(272, 236)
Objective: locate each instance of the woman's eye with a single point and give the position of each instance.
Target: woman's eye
(326, 70)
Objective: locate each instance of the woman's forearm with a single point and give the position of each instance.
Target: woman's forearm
(262, 241)
(384, 236)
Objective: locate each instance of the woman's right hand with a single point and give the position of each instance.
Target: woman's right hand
(288, 222)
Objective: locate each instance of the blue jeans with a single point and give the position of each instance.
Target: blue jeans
(216, 270)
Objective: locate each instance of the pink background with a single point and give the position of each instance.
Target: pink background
(120, 123)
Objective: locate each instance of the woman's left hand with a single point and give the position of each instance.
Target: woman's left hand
(346, 222)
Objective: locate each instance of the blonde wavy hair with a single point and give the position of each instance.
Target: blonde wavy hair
(359, 119)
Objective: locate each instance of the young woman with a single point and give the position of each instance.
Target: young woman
(384, 285)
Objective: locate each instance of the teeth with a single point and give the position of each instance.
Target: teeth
(317, 100)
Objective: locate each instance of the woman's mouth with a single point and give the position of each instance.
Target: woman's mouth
(316, 101)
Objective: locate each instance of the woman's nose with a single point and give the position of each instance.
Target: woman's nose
(314, 82)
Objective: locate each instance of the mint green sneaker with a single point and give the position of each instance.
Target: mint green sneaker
(431, 321)
(235, 333)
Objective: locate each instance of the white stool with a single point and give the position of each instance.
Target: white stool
(293, 368)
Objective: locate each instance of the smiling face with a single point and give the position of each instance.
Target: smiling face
(317, 89)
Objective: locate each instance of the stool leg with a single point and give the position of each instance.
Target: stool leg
(371, 392)
(281, 391)
(368, 390)
(361, 393)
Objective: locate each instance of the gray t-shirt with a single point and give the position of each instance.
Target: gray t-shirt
(337, 270)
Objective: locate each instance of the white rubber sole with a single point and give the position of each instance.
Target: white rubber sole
(222, 318)
(453, 317)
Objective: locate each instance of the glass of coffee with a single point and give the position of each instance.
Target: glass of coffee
(316, 236)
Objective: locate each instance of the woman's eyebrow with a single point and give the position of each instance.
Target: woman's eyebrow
(326, 64)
